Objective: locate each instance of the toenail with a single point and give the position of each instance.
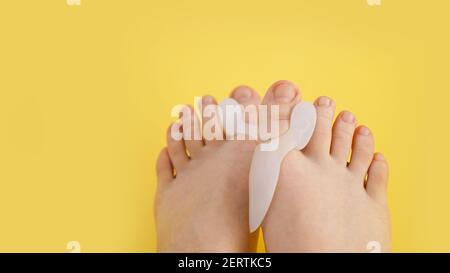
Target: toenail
(285, 92)
(364, 131)
(242, 93)
(324, 101)
(348, 117)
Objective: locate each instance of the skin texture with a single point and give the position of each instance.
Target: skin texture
(322, 203)
(205, 207)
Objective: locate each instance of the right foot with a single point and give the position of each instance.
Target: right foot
(323, 203)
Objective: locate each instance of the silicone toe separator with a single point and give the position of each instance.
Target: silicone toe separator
(266, 163)
(265, 167)
(233, 121)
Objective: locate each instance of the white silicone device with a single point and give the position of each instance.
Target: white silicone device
(266, 163)
(232, 111)
(265, 167)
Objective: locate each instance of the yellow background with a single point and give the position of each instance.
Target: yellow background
(86, 94)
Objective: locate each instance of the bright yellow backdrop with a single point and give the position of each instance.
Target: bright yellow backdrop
(86, 93)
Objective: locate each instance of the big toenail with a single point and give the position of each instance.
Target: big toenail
(364, 131)
(242, 93)
(285, 92)
(324, 101)
(348, 117)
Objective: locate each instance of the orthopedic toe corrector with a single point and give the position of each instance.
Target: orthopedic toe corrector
(266, 163)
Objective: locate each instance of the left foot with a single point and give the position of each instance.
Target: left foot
(204, 208)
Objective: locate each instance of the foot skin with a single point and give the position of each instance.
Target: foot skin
(204, 208)
(323, 203)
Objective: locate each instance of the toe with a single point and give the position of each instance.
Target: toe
(245, 95)
(164, 169)
(320, 142)
(285, 95)
(377, 179)
(191, 131)
(176, 147)
(248, 98)
(212, 129)
(362, 151)
(341, 142)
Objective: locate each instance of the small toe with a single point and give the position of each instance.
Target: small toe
(212, 128)
(164, 169)
(176, 147)
(248, 98)
(245, 95)
(362, 151)
(191, 131)
(319, 145)
(377, 179)
(341, 142)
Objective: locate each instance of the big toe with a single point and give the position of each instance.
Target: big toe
(284, 95)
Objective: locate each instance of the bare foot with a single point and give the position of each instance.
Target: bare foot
(205, 207)
(323, 203)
